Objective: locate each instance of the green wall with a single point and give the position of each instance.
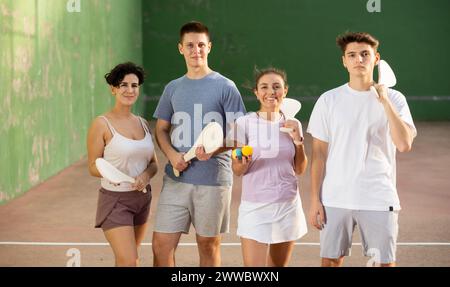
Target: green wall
(299, 36)
(52, 62)
(51, 82)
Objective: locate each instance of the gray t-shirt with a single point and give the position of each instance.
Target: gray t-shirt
(190, 105)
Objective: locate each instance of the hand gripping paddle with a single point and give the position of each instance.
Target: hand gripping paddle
(211, 138)
(289, 107)
(111, 173)
(385, 76)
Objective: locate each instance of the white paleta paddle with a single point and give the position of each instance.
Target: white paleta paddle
(386, 76)
(289, 107)
(211, 138)
(111, 173)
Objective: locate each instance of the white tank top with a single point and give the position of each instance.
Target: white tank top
(129, 156)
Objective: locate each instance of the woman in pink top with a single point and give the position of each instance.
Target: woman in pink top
(124, 140)
(270, 214)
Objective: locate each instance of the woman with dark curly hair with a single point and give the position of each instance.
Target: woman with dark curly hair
(124, 140)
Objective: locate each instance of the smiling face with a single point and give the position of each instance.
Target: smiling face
(128, 90)
(360, 59)
(195, 48)
(270, 91)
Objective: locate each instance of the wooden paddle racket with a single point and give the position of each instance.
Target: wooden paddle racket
(111, 173)
(289, 107)
(211, 138)
(386, 76)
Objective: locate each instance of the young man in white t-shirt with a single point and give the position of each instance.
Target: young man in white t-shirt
(355, 137)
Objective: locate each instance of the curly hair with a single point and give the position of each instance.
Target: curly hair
(116, 75)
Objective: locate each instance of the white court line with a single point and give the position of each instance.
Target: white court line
(195, 244)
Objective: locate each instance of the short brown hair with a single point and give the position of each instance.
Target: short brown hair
(270, 70)
(116, 75)
(360, 37)
(193, 27)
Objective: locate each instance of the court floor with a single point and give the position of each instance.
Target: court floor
(52, 224)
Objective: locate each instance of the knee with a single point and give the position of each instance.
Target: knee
(332, 262)
(160, 247)
(126, 261)
(208, 245)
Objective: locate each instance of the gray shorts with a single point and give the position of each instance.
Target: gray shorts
(207, 207)
(378, 230)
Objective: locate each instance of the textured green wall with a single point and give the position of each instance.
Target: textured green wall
(299, 36)
(51, 82)
(52, 61)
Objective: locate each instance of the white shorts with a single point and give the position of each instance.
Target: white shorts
(378, 229)
(272, 223)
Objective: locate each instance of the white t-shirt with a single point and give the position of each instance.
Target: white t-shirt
(360, 167)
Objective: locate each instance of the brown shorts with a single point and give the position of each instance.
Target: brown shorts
(116, 209)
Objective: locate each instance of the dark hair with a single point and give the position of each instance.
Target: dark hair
(193, 27)
(116, 75)
(360, 37)
(270, 70)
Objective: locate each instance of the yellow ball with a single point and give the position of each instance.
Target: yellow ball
(247, 150)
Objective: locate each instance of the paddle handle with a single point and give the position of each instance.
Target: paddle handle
(372, 88)
(190, 154)
(187, 157)
(286, 130)
(132, 180)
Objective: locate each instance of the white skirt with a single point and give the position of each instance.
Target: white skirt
(272, 223)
